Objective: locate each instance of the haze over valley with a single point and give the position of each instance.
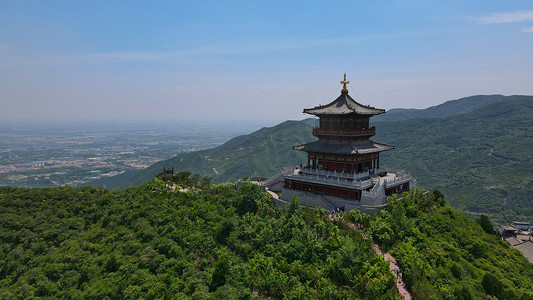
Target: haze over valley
(48, 154)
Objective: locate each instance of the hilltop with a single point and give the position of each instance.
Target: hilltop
(230, 242)
(479, 154)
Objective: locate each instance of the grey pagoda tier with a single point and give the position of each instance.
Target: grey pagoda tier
(343, 168)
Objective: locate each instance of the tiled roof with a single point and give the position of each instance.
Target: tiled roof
(359, 147)
(343, 105)
(523, 237)
(513, 241)
(527, 250)
(509, 228)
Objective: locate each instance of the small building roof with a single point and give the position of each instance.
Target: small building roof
(520, 223)
(343, 105)
(509, 228)
(527, 250)
(523, 237)
(354, 147)
(513, 241)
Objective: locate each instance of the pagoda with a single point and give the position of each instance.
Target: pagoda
(343, 169)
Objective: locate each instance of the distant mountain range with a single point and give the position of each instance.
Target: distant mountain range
(446, 109)
(477, 150)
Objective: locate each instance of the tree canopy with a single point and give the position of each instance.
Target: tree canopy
(229, 241)
(220, 242)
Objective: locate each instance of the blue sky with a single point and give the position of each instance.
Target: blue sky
(262, 60)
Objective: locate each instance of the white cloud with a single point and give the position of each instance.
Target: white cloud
(506, 17)
(243, 47)
(233, 48)
(527, 29)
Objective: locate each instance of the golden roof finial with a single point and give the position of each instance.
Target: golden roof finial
(344, 82)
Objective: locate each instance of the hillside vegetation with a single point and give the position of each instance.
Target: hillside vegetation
(482, 160)
(230, 242)
(445, 255)
(223, 242)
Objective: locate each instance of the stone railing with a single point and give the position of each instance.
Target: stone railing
(376, 191)
(380, 170)
(376, 196)
(270, 180)
(398, 180)
(330, 180)
(353, 176)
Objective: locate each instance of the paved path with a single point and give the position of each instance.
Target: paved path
(274, 195)
(393, 265)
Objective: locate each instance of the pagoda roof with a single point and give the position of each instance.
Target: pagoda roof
(343, 105)
(333, 147)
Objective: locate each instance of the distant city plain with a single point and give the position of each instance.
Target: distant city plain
(73, 153)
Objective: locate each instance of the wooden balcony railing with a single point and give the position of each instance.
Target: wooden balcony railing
(317, 131)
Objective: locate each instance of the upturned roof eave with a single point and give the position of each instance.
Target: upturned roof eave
(308, 111)
(321, 147)
(343, 105)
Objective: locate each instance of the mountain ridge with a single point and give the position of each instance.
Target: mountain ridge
(445, 109)
(485, 148)
(180, 162)
(482, 160)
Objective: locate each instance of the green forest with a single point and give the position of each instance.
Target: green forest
(446, 255)
(482, 160)
(229, 241)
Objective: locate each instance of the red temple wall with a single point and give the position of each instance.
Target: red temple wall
(339, 192)
(322, 189)
(348, 164)
(348, 167)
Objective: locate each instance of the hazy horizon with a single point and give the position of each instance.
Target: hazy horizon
(99, 121)
(263, 61)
